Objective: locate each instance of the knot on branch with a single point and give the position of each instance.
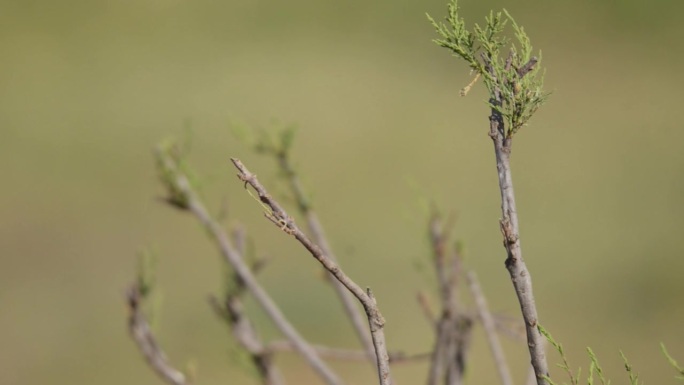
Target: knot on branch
(376, 320)
(246, 177)
(273, 211)
(284, 222)
(510, 237)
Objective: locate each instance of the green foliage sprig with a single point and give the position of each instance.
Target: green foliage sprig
(574, 378)
(514, 80)
(633, 376)
(673, 362)
(595, 367)
(171, 157)
(146, 283)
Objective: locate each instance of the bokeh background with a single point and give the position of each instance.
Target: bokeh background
(88, 87)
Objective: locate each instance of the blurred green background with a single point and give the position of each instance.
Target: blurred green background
(88, 87)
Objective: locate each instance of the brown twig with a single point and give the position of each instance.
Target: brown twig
(517, 269)
(318, 234)
(191, 201)
(147, 343)
(280, 217)
(489, 326)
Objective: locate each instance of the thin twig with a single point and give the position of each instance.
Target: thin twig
(240, 240)
(490, 329)
(439, 360)
(462, 325)
(501, 323)
(439, 236)
(318, 234)
(278, 216)
(147, 343)
(348, 354)
(517, 269)
(515, 332)
(425, 306)
(235, 260)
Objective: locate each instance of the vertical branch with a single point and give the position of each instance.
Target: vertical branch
(515, 92)
(515, 264)
(453, 327)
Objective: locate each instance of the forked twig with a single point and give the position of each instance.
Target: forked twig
(280, 217)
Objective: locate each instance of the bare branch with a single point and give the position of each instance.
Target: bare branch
(318, 234)
(457, 350)
(490, 329)
(147, 343)
(191, 201)
(439, 236)
(454, 326)
(399, 357)
(438, 359)
(278, 216)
